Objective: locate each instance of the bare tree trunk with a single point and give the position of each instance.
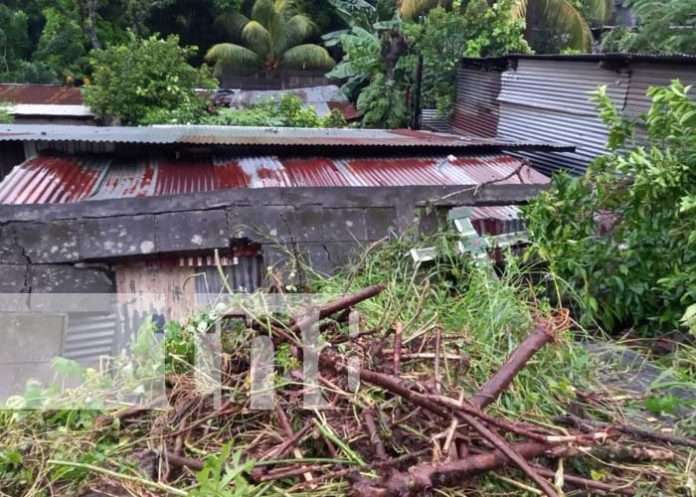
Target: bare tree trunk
(92, 7)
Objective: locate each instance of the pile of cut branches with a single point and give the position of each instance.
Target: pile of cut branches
(453, 382)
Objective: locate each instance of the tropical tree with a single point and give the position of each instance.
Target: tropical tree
(664, 26)
(271, 38)
(135, 81)
(552, 25)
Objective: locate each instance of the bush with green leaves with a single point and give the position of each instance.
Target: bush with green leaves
(624, 235)
(5, 116)
(287, 111)
(664, 27)
(62, 45)
(133, 80)
(445, 37)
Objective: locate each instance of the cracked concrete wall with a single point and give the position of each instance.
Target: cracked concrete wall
(70, 248)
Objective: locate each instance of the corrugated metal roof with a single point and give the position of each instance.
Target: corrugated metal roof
(249, 136)
(40, 94)
(50, 110)
(50, 179)
(607, 57)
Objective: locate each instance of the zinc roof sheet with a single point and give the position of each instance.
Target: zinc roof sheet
(58, 179)
(263, 136)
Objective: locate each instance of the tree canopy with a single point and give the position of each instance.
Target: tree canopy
(132, 80)
(271, 38)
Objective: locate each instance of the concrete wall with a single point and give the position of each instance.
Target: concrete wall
(71, 248)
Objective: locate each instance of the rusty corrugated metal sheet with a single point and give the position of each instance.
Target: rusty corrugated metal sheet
(476, 110)
(40, 94)
(251, 136)
(50, 179)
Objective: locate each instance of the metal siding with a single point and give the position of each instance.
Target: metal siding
(644, 75)
(562, 86)
(432, 120)
(50, 179)
(90, 336)
(476, 110)
(246, 276)
(588, 133)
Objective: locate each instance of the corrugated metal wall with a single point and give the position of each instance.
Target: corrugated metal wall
(432, 120)
(478, 113)
(646, 75)
(548, 101)
(90, 336)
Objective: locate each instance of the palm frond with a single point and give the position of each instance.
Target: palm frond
(599, 11)
(232, 24)
(263, 11)
(233, 58)
(257, 38)
(410, 9)
(519, 9)
(307, 56)
(296, 30)
(560, 17)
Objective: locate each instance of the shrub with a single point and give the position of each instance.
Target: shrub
(144, 76)
(624, 235)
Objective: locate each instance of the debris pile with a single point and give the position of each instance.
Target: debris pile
(403, 431)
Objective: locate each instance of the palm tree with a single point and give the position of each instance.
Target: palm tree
(271, 39)
(544, 19)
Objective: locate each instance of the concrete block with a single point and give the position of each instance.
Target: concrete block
(117, 237)
(70, 279)
(53, 242)
(329, 258)
(316, 224)
(185, 231)
(269, 224)
(380, 222)
(13, 278)
(10, 251)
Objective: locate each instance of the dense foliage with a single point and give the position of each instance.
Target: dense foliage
(445, 37)
(5, 116)
(552, 25)
(134, 80)
(286, 111)
(624, 235)
(272, 38)
(664, 26)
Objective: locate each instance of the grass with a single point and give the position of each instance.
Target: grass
(482, 313)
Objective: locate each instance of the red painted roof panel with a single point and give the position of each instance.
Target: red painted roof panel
(60, 179)
(40, 94)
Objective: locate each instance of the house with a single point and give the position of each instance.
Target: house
(152, 217)
(546, 98)
(45, 104)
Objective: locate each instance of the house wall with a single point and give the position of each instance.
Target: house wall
(75, 248)
(548, 101)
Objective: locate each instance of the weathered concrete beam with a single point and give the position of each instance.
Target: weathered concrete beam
(257, 198)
